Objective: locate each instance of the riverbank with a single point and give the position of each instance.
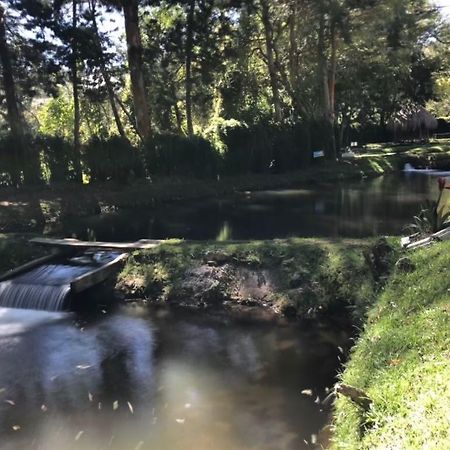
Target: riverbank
(294, 277)
(402, 362)
(32, 209)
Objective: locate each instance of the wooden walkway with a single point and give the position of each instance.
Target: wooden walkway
(142, 244)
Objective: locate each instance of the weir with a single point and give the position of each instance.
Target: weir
(48, 283)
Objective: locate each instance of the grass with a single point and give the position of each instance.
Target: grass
(309, 274)
(402, 361)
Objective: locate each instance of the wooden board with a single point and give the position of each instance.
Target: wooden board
(75, 243)
(96, 276)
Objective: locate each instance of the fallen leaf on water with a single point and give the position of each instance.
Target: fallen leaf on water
(16, 427)
(10, 402)
(78, 436)
(307, 392)
(115, 405)
(130, 407)
(180, 420)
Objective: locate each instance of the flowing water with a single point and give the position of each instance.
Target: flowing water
(45, 287)
(162, 381)
(349, 209)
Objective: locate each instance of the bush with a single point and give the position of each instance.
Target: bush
(112, 159)
(19, 161)
(265, 147)
(171, 154)
(58, 155)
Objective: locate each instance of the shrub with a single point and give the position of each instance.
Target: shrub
(112, 159)
(171, 154)
(58, 155)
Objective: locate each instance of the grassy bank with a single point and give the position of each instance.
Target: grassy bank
(296, 277)
(402, 361)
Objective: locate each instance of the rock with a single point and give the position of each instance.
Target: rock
(217, 258)
(405, 265)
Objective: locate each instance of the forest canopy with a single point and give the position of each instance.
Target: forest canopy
(197, 87)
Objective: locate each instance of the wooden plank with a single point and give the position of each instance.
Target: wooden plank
(28, 266)
(96, 276)
(75, 243)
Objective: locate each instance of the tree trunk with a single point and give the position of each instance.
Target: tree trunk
(13, 113)
(134, 48)
(268, 33)
(105, 74)
(324, 81)
(76, 96)
(188, 81)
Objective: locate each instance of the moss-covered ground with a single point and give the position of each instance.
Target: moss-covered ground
(402, 361)
(299, 276)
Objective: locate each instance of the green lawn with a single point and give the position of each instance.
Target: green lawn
(402, 361)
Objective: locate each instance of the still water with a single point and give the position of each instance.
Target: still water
(139, 379)
(358, 209)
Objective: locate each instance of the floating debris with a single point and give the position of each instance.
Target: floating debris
(130, 407)
(16, 427)
(10, 402)
(308, 392)
(78, 436)
(44, 408)
(115, 405)
(90, 396)
(180, 420)
(84, 366)
(139, 446)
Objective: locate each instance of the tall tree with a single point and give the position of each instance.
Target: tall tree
(75, 92)
(134, 50)
(101, 61)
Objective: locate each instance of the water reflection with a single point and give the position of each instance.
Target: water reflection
(379, 206)
(170, 382)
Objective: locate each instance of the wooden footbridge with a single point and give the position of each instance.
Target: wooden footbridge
(73, 267)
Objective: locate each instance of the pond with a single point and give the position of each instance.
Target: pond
(348, 209)
(135, 379)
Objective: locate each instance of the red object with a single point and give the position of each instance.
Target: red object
(441, 183)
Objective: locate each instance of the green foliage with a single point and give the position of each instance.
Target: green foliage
(56, 117)
(402, 362)
(112, 159)
(170, 154)
(58, 155)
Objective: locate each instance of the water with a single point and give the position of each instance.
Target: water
(356, 209)
(45, 287)
(175, 381)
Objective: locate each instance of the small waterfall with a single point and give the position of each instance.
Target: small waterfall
(33, 296)
(46, 287)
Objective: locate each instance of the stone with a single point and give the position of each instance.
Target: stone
(405, 265)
